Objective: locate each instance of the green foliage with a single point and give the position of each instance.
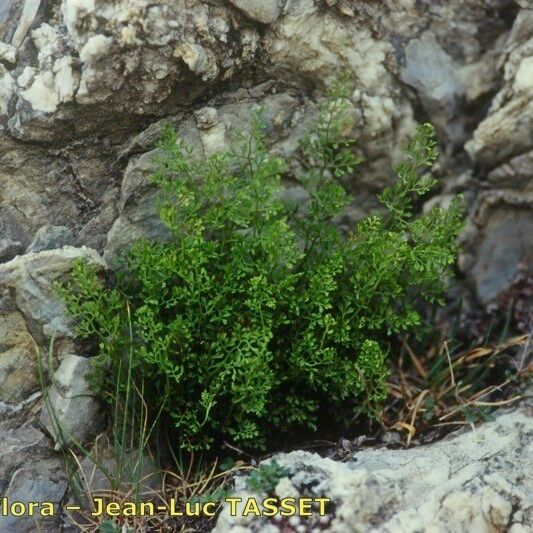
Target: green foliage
(265, 477)
(256, 318)
(109, 527)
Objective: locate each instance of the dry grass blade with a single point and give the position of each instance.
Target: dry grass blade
(443, 389)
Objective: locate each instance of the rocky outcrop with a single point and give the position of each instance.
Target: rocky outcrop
(499, 239)
(87, 85)
(72, 412)
(471, 481)
(36, 337)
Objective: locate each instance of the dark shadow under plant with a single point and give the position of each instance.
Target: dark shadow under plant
(253, 321)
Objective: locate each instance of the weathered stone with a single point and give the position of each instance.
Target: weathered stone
(266, 11)
(72, 412)
(8, 53)
(90, 54)
(436, 77)
(515, 173)
(29, 472)
(470, 481)
(498, 242)
(508, 129)
(49, 238)
(32, 278)
(13, 238)
(30, 315)
(44, 481)
(18, 352)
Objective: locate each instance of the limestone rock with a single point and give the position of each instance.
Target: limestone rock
(471, 481)
(266, 11)
(30, 315)
(13, 238)
(98, 52)
(18, 366)
(42, 481)
(50, 237)
(507, 130)
(501, 241)
(72, 413)
(8, 53)
(29, 471)
(31, 278)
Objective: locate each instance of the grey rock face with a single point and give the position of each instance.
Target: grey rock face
(51, 237)
(13, 238)
(42, 481)
(505, 242)
(266, 11)
(507, 130)
(72, 413)
(31, 279)
(499, 236)
(470, 481)
(83, 89)
(30, 315)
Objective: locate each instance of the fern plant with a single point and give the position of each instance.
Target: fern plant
(254, 319)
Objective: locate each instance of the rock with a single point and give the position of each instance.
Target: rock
(88, 55)
(515, 173)
(50, 237)
(44, 481)
(31, 279)
(507, 130)
(72, 412)
(18, 365)
(88, 86)
(30, 315)
(436, 77)
(470, 481)
(265, 11)
(497, 242)
(8, 53)
(29, 471)
(58, 187)
(13, 238)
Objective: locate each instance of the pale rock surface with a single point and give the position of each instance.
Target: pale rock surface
(8, 53)
(31, 278)
(499, 241)
(30, 316)
(13, 237)
(82, 83)
(72, 412)
(499, 236)
(478, 481)
(51, 237)
(266, 11)
(507, 130)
